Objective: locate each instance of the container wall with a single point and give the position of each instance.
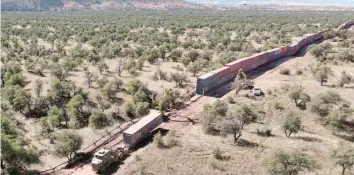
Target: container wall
(263, 58)
(246, 64)
(254, 61)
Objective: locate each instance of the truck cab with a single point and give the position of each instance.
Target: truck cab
(102, 159)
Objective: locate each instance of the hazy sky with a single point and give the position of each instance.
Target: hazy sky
(315, 2)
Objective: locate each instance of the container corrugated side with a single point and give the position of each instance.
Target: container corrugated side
(246, 64)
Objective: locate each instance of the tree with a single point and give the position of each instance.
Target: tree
(323, 73)
(75, 111)
(121, 66)
(38, 87)
(57, 71)
(23, 101)
(292, 163)
(345, 78)
(54, 117)
(98, 120)
(110, 90)
(344, 156)
(193, 55)
(142, 95)
(59, 93)
(142, 108)
(299, 97)
(129, 110)
(231, 124)
(16, 79)
(194, 68)
(153, 56)
(67, 144)
(89, 77)
(291, 124)
(179, 78)
(102, 67)
(133, 86)
(175, 55)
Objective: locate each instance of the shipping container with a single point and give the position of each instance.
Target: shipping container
(222, 72)
(262, 57)
(254, 61)
(246, 64)
(234, 66)
(142, 128)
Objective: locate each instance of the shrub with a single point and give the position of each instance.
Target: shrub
(98, 120)
(323, 73)
(345, 78)
(179, 78)
(284, 71)
(299, 72)
(291, 124)
(282, 163)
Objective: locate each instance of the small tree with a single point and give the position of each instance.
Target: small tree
(102, 67)
(89, 78)
(38, 87)
(344, 156)
(283, 163)
(110, 90)
(98, 120)
(120, 67)
(231, 124)
(323, 73)
(142, 108)
(194, 68)
(345, 78)
(75, 111)
(179, 78)
(129, 110)
(299, 96)
(67, 144)
(133, 86)
(291, 124)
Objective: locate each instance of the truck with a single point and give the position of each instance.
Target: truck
(133, 135)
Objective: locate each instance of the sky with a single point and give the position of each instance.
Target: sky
(313, 2)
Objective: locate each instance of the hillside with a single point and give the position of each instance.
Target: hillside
(69, 5)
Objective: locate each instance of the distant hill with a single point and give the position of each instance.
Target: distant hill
(69, 5)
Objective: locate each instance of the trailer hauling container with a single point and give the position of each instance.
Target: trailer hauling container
(142, 128)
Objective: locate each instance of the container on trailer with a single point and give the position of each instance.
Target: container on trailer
(142, 128)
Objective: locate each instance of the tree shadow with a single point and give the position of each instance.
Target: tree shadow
(345, 137)
(246, 143)
(308, 139)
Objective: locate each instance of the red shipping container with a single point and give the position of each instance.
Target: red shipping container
(234, 66)
(246, 64)
(262, 57)
(254, 61)
(222, 72)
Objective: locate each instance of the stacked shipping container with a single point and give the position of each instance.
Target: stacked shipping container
(214, 79)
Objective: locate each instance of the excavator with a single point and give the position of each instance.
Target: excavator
(247, 84)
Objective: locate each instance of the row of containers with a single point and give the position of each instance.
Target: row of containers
(346, 25)
(215, 78)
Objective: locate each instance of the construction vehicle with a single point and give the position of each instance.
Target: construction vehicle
(105, 157)
(247, 84)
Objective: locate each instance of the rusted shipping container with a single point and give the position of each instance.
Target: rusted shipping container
(142, 128)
